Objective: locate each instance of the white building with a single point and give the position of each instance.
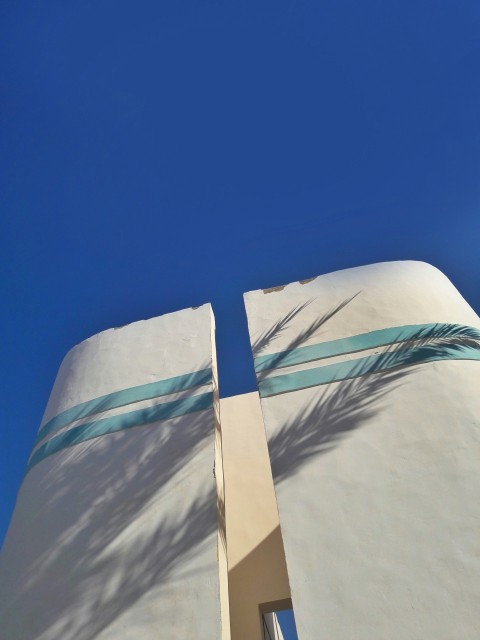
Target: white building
(148, 508)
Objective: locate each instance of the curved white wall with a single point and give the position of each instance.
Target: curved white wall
(376, 474)
(116, 536)
(369, 392)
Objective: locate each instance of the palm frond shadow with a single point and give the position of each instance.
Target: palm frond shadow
(273, 332)
(341, 407)
(92, 574)
(442, 334)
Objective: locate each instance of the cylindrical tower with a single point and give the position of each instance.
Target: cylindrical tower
(369, 381)
(114, 533)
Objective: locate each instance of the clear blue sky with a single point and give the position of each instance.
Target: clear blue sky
(158, 155)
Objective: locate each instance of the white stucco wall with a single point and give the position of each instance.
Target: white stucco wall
(377, 476)
(116, 537)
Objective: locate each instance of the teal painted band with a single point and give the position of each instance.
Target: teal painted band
(104, 426)
(379, 338)
(124, 397)
(364, 366)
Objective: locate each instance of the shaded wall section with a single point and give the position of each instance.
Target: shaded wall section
(256, 560)
(114, 533)
(369, 391)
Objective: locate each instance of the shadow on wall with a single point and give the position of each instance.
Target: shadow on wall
(271, 334)
(92, 562)
(339, 409)
(343, 406)
(258, 577)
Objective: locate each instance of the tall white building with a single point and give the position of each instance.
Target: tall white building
(348, 486)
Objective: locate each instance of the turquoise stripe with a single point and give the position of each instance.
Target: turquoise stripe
(137, 418)
(379, 338)
(364, 366)
(124, 397)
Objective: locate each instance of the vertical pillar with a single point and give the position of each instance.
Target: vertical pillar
(257, 573)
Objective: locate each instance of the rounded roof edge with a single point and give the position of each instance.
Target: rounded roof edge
(420, 263)
(206, 305)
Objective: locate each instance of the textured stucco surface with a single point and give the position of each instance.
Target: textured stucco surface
(377, 479)
(117, 537)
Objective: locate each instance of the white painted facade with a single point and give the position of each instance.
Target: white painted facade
(376, 476)
(116, 537)
(149, 510)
